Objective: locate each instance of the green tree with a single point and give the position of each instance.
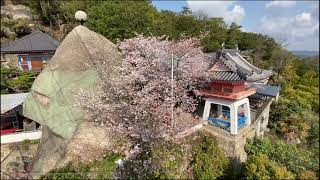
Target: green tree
(187, 25)
(15, 81)
(164, 23)
(248, 41)
(279, 59)
(216, 33)
(233, 36)
(70, 7)
(49, 11)
(23, 83)
(118, 20)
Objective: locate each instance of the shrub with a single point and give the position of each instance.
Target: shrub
(102, 169)
(68, 172)
(209, 160)
(15, 80)
(260, 167)
(307, 175)
(23, 82)
(138, 166)
(295, 159)
(168, 158)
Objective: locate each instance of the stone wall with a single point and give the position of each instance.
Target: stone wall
(9, 60)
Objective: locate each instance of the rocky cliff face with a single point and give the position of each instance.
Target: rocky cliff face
(16, 21)
(67, 134)
(16, 12)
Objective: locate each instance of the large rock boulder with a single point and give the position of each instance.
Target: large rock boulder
(68, 135)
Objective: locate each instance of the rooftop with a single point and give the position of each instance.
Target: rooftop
(36, 42)
(264, 89)
(230, 60)
(10, 101)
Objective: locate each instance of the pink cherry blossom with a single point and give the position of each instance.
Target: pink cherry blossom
(139, 100)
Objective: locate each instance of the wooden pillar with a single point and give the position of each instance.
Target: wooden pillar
(234, 119)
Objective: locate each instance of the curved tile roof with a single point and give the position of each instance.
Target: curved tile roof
(225, 76)
(237, 64)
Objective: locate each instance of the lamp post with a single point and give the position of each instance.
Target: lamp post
(81, 16)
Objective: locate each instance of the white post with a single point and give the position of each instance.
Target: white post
(19, 62)
(247, 112)
(206, 111)
(172, 105)
(29, 62)
(234, 119)
(219, 110)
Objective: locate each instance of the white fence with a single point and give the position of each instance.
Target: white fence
(19, 137)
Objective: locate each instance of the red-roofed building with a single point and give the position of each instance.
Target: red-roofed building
(227, 103)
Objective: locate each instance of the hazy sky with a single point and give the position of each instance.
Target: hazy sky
(296, 22)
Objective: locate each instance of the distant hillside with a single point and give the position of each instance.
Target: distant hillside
(306, 53)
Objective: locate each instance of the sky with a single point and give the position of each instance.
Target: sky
(296, 23)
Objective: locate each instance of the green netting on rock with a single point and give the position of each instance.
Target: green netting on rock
(54, 107)
(51, 101)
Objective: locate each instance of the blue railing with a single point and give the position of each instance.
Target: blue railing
(223, 124)
(219, 123)
(241, 121)
(226, 113)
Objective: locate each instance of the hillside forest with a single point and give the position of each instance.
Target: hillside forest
(291, 148)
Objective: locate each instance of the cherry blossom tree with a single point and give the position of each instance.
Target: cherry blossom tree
(156, 83)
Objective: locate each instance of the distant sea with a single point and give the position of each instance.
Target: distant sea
(305, 53)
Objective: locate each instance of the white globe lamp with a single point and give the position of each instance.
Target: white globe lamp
(81, 16)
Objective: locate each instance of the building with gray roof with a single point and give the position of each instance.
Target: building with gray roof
(235, 63)
(33, 50)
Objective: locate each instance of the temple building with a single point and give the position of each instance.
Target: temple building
(32, 51)
(237, 102)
